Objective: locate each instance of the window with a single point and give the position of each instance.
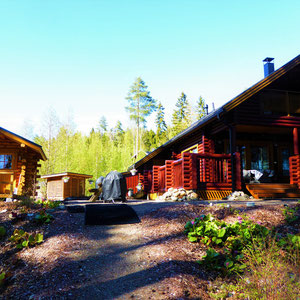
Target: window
(5, 161)
(193, 149)
(259, 158)
(285, 154)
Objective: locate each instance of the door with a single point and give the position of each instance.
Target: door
(284, 153)
(6, 185)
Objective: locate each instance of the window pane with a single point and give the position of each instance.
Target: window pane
(285, 154)
(5, 161)
(259, 158)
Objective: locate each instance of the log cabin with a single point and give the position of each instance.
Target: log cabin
(255, 134)
(19, 163)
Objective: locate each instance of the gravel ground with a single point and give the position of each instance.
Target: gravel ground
(147, 260)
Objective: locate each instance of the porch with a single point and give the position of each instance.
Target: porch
(211, 175)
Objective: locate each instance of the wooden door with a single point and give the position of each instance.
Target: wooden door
(6, 185)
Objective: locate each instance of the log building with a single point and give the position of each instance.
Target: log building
(19, 165)
(257, 132)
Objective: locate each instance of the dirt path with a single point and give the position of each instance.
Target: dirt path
(147, 260)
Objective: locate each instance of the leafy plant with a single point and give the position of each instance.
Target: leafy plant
(23, 239)
(231, 239)
(43, 217)
(290, 214)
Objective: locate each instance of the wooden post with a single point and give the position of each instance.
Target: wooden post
(296, 141)
(238, 175)
(232, 143)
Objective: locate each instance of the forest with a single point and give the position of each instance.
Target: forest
(105, 149)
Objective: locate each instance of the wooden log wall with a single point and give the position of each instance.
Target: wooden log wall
(25, 165)
(189, 171)
(147, 181)
(250, 113)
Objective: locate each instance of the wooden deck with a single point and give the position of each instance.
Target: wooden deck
(273, 190)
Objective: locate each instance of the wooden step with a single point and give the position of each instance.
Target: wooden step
(273, 190)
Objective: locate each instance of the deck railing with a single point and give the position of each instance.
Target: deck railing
(202, 171)
(213, 170)
(295, 169)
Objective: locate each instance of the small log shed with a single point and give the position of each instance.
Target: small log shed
(64, 185)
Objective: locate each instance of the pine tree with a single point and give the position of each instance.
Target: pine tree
(141, 105)
(103, 125)
(181, 117)
(161, 126)
(200, 108)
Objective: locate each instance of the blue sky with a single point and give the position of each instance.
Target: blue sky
(80, 57)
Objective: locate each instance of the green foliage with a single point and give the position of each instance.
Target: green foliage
(161, 126)
(23, 239)
(48, 204)
(2, 231)
(290, 214)
(181, 117)
(43, 217)
(232, 239)
(141, 104)
(200, 108)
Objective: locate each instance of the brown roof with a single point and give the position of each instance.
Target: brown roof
(71, 174)
(24, 141)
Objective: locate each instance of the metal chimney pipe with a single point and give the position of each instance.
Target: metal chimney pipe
(268, 66)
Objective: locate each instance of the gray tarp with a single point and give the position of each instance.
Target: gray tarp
(114, 187)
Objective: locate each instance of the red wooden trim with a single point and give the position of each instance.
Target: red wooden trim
(155, 179)
(296, 141)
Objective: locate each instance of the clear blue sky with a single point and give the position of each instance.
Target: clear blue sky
(82, 56)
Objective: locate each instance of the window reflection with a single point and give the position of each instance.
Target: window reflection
(5, 161)
(259, 158)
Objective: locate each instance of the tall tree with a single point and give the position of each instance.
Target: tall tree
(161, 126)
(200, 108)
(103, 125)
(181, 117)
(141, 105)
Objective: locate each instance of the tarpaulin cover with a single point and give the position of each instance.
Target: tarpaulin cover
(99, 180)
(114, 187)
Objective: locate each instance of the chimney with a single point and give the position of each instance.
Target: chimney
(268, 66)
